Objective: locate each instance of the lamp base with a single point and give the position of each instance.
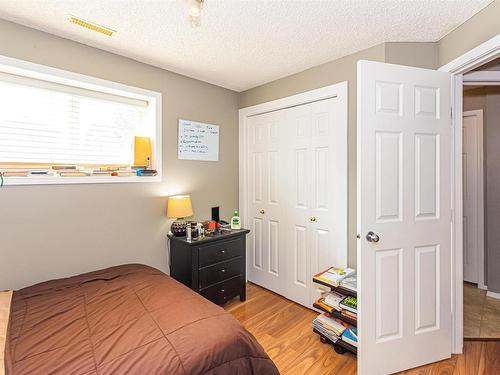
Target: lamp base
(179, 227)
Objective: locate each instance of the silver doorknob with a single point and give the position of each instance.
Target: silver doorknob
(372, 237)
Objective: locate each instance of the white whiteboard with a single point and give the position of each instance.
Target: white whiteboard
(198, 141)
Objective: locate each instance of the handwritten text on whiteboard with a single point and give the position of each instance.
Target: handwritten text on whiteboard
(198, 141)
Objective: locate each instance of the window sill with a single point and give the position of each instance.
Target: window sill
(57, 180)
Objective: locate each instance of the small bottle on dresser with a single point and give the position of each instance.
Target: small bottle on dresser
(235, 221)
(188, 232)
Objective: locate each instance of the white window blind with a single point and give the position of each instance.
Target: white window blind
(45, 122)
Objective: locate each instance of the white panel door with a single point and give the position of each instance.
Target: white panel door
(404, 217)
(473, 195)
(266, 201)
(317, 190)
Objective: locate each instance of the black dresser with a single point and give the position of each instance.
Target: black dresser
(215, 266)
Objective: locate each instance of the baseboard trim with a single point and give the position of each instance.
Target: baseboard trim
(493, 294)
(482, 286)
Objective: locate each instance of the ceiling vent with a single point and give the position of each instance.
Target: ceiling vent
(91, 26)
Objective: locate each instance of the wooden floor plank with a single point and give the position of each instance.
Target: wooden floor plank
(284, 329)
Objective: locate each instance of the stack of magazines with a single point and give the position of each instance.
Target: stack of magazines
(329, 327)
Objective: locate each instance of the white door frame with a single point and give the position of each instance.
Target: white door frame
(477, 56)
(327, 92)
(479, 204)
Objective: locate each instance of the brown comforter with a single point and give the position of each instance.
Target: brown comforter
(129, 319)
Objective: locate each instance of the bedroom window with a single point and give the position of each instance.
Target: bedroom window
(61, 127)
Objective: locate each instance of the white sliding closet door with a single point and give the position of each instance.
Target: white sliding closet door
(296, 197)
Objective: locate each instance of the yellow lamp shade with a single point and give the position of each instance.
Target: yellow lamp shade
(179, 206)
(142, 151)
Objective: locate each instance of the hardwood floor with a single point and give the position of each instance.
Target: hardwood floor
(283, 328)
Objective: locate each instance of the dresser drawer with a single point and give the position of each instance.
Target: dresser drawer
(219, 272)
(218, 252)
(222, 292)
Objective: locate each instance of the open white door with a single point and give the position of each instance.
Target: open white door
(404, 217)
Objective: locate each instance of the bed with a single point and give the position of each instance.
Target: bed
(129, 319)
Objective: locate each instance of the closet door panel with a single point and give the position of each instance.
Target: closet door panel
(265, 184)
(299, 197)
(323, 242)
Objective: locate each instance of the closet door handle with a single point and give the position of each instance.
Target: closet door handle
(262, 212)
(312, 218)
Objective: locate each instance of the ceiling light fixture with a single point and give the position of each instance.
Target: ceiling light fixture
(194, 11)
(91, 26)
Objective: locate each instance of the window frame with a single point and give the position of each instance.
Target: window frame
(31, 70)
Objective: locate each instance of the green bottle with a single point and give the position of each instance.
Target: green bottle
(235, 221)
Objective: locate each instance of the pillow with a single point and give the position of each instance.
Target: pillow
(5, 298)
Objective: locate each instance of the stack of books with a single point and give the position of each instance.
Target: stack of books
(333, 276)
(345, 305)
(336, 329)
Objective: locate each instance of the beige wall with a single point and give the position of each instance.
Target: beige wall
(60, 230)
(478, 29)
(422, 55)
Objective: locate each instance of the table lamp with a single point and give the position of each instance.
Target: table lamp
(179, 207)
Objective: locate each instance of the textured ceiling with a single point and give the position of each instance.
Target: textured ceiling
(242, 44)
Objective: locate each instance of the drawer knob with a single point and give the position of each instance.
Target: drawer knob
(223, 251)
(223, 270)
(222, 290)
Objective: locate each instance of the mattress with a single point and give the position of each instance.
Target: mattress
(129, 319)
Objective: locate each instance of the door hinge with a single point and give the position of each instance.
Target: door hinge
(451, 115)
(451, 215)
